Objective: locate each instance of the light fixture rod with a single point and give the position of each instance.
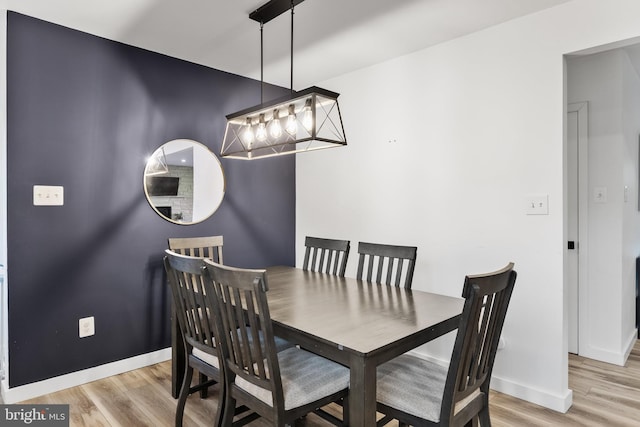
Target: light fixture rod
(272, 9)
(261, 62)
(292, 6)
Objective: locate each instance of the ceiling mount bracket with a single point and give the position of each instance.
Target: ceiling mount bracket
(272, 9)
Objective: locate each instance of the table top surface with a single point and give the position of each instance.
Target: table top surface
(361, 317)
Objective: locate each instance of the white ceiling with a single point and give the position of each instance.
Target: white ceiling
(332, 37)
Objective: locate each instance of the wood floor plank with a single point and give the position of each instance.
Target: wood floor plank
(603, 395)
(116, 402)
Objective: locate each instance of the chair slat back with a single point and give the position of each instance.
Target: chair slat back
(386, 264)
(326, 255)
(193, 304)
(487, 297)
(248, 347)
(203, 247)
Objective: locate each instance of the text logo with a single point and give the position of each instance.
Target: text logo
(34, 415)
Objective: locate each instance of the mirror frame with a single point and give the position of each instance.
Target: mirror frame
(197, 147)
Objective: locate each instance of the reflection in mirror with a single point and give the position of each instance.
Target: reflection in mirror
(184, 182)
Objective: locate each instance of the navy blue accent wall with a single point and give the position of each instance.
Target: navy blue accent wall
(84, 112)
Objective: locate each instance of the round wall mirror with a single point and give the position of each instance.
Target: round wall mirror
(184, 182)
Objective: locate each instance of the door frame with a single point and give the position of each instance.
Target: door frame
(582, 110)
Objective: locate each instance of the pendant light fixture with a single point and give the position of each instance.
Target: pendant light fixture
(157, 164)
(300, 121)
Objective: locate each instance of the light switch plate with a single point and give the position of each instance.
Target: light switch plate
(600, 194)
(48, 195)
(626, 193)
(537, 204)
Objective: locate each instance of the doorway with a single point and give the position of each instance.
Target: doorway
(601, 203)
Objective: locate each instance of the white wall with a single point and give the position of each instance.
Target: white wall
(208, 182)
(610, 84)
(479, 124)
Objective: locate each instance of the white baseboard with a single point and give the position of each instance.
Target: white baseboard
(631, 341)
(608, 356)
(560, 403)
(51, 385)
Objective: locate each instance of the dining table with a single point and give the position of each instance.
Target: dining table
(353, 322)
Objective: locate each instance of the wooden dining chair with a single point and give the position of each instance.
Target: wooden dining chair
(326, 255)
(392, 265)
(193, 310)
(281, 387)
(418, 392)
(204, 247)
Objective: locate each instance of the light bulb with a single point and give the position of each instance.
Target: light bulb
(307, 116)
(261, 132)
(292, 125)
(247, 135)
(275, 128)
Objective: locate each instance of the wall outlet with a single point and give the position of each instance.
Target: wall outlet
(86, 327)
(48, 195)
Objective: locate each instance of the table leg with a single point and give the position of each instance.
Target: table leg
(362, 392)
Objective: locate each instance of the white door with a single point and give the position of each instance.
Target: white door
(576, 245)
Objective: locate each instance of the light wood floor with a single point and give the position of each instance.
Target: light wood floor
(603, 395)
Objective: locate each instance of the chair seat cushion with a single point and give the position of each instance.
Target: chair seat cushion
(306, 377)
(206, 357)
(281, 343)
(412, 385)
